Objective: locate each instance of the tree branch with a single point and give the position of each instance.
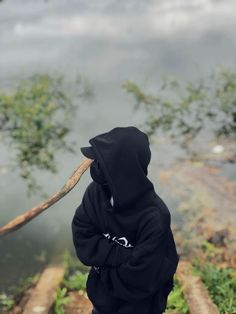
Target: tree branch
(23, 219)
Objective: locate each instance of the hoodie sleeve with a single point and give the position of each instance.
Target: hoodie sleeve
(140, 275)
(93, 248)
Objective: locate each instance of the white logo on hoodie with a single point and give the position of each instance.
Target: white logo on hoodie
(122, 241)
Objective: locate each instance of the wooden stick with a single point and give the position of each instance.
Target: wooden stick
(22, 219)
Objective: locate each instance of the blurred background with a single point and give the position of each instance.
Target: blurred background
(70, 70)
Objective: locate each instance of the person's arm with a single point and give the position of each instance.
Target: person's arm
(92, 248)
(141, 275)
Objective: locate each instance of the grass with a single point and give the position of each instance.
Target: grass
(60, 300)
(221, 284)
(74, 280)
(75, 274)
(176, 300)
(77, 281)
(6, 302)
(76, 277)
(9, 300)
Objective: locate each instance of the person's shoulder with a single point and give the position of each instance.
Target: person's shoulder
(161, 217)
(157, 218)
(154, 224)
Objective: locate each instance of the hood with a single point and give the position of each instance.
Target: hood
(124, 154)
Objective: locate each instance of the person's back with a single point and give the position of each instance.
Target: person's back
(122, 228)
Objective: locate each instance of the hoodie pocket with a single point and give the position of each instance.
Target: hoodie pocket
(99, 296)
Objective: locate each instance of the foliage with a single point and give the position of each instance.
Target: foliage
(7, 301)
(221, 284)
(60, 300)
(74, 279)
(210, 249)
(182, 110)
(23, 285)
(77, 281)
(176, 299)
(72, 264)
(35, 119)
(75, 275)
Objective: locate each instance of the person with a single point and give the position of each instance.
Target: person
(122, 228)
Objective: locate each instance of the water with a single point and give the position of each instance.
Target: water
(109, 42)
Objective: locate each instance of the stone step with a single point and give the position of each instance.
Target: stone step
(195, 292)
(42, 296)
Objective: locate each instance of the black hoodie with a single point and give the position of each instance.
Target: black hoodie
(130, 243)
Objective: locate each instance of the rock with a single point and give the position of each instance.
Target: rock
(219, 238)
(79, 304)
